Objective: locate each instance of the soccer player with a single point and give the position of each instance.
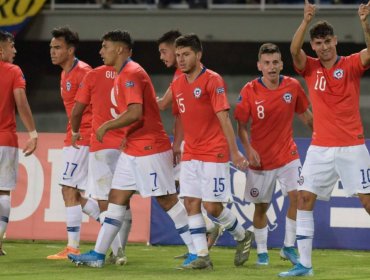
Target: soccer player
(13, 94)
(145, 165)
(269, 103)
(202, 121)
(167, 50)
(96, 90)
(166, 47)
(74, 178)
(337, 149)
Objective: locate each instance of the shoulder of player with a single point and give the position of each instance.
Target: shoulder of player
(10, 67)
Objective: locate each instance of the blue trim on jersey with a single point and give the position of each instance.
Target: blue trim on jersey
(198, 230)
(182, 229)
(124, 64)
(233, 226)
(4, 219)
(113, 222)
(281, 77)
(75, 61)
(73, 229)
(303, 237)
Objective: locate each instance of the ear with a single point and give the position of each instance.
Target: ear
(312, 45)
(282, 65)
(199, 55)
(259, 66)
(335, 39)
(71, 50)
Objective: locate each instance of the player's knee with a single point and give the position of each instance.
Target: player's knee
(365, 200)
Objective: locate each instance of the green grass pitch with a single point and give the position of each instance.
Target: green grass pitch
(26, 260)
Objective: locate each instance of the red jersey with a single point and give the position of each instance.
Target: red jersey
(335, 98)
(146, 136)
(197, 104)
(69, 84)
(11, 79)
(271, 113)
(97, 89)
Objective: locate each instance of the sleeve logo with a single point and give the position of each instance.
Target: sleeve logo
(129, 84)
(220, 90)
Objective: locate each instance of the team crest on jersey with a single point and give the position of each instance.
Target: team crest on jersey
(338, 73)
(68, 86)
(197, 92)
(129, 84)
(220, 90)
(287, 97)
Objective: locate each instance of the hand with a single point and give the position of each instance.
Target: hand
(309, 11)
(254, 157)
(123, 143)
(363, 11)
(176, 149)
(240, 161)
(100, 132)
(30, 146)
(75, 137)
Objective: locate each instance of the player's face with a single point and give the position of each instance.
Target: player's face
(270, 65)
(60, 52)
(7, 51)
(187, 59)
(325, 48)
(167, 54)
(109, 52)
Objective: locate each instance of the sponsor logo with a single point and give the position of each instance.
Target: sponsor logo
(259, 102)
(218, 194)
(338, 73)
(197, 92)
(287, 97)
(220, 90)
(178, 95)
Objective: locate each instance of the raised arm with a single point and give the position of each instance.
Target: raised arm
(237, 158)
(363, 12)
(298, 55)
(25, 114)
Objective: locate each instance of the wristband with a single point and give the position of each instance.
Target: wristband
(75, 133)
(33, 134)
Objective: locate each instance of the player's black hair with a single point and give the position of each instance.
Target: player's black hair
(268, 48)
(71, 37)
(169, 37)
(189, 40)
(5, 36)
(321, 29)
(119, 36)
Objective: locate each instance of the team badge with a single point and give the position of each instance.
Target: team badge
(220, 90)
(287, 97)
(68, 86)
(254, 192)
(197, 92)
(338, 74)
(129, 84)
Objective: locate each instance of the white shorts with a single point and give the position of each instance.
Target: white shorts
(149, 175)
(325, 165)
(260, 184)
(209, 181)
(101, 169)
(75, 166)
(8, 168)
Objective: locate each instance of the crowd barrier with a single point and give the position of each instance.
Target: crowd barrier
(38, 210)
